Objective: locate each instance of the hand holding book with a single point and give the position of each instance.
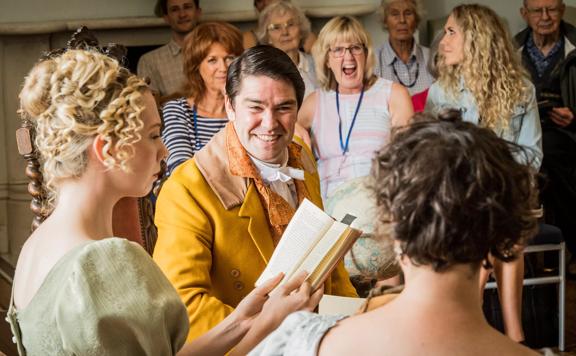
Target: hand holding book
(313, 242)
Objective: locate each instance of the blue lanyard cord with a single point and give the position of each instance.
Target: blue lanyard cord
(196, 138)
(342, 146)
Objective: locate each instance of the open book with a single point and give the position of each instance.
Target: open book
(313, 242)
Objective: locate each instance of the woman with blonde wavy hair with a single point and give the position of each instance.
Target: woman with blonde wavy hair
(480, 74)
(77, 289)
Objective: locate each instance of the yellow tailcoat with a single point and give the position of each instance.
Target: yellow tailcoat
(213, 236)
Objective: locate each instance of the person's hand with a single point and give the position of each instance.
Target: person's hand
(294, 295)
(252, 304)
(561, 116)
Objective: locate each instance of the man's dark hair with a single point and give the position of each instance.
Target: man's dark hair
(161, 7)
(452, 192)
(264, 61)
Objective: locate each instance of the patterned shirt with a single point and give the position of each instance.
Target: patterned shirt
(540, 61)
(179, 135)
(164, 68)
(413, 75)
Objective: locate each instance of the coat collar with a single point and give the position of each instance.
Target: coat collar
(232, 191)
(214, 164)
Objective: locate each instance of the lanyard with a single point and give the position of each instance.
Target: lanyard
(343, 146)
(400, 80)
(196, 138)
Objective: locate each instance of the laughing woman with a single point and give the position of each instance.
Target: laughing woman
(349, 119)
(480, 74)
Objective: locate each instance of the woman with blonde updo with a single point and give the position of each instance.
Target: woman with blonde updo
(480, 74)
(78, 290)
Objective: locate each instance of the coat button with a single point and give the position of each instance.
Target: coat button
(235, 273)
(238, 285)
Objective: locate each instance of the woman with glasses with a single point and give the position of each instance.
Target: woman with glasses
(284, 26)
(250, 38)
(480, 74)
(349, 118)
(400, 58)
(191, 121)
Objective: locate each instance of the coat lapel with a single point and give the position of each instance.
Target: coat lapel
(258, 226)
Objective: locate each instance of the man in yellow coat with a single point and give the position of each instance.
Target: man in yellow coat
(221, 214)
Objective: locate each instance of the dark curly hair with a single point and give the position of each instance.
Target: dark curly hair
(452, 192)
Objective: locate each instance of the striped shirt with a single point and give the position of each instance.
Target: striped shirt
(179, 134)
(370, 132)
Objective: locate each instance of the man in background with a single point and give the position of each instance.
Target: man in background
(164, 65)
(547, 46)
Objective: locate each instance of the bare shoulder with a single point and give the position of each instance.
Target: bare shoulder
(306, 113)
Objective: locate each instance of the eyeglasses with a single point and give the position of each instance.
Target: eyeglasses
(276, 27)
(355, 50)
(539, 11)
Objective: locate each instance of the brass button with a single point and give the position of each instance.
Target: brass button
(238, 285)
(235, 273)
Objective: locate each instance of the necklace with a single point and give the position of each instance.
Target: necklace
(400, 80)
(343, 146)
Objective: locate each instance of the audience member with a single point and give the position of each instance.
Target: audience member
(547, 47)
(349, 119)
(492, 91)
(221, 214)
(250, 38)
(77, 290)
(400, 58)
(192, 120)
(284, 26)
(468, 197)
(163, 66)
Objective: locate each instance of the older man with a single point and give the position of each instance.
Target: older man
(164, 65)
(221, 214)
(547, 47)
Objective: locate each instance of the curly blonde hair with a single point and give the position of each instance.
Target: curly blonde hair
(341, 28)
(73, 98)
(491, 68)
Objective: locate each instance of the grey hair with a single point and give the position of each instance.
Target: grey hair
(281, 7)
(385, 4)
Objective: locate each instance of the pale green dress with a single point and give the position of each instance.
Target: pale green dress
(106, 297)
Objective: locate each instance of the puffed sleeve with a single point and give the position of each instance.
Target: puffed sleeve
(298, 335)
(117, 302)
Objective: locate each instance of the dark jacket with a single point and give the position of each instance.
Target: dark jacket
(561, 78)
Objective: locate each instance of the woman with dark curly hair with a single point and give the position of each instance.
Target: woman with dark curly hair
(481, 74)
(449, 194)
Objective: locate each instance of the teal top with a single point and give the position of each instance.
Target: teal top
(524, 128)
(105, 297)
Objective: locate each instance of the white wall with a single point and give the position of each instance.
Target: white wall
(48, 10)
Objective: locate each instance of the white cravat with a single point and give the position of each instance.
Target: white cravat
(279, 177)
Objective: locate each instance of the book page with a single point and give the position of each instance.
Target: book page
(307, 226)
(319, 252)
